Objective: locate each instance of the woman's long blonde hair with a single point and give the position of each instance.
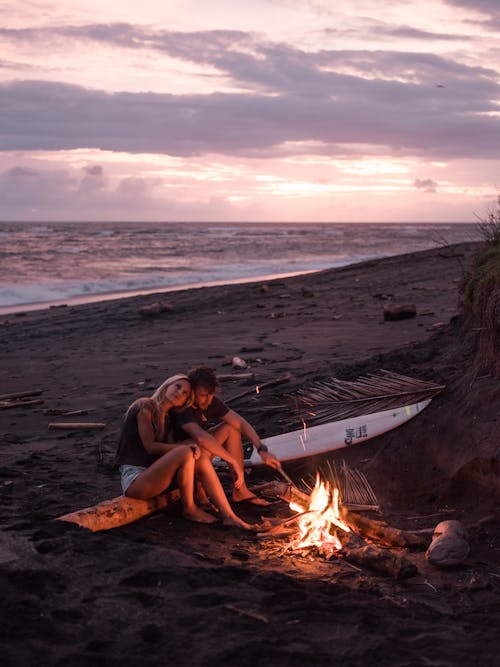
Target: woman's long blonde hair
(156, 403)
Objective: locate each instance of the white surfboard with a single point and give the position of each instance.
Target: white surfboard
(312, 440)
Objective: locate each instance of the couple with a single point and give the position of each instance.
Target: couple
(168, 436)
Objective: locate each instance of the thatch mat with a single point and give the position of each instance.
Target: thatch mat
(164, 591)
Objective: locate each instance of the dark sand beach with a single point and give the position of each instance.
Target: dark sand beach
(164, 591)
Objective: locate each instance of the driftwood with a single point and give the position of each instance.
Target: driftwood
(76, 425)
(119, 511)
(6, 405)
(65, 413)
(22, 394)
(225, 377)
(271, 383)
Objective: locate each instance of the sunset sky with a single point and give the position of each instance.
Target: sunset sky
(239, 110)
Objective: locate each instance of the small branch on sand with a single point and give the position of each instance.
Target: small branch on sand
(6, 405)
(76, 425)
(65, 413)
(272, 383)
(22, 394)
(249, 614)
(225, 377)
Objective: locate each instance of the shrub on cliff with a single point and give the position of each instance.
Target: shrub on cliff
(481, 295)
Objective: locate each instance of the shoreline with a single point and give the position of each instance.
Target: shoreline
(82, 299)
(127, 294)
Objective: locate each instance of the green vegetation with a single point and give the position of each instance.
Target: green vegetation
(481, 294)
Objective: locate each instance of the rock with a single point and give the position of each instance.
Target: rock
(450, 526)
(237, 362)
(449, 546)
(156, 308)
(405, 312)
(447, 550)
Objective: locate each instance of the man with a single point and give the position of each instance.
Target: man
(223, 440)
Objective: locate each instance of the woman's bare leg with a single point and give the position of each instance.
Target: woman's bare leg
(214, 490)
(160, 475)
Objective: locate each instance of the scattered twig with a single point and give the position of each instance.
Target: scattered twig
(272, 383)
(250, 614)
(65, 413)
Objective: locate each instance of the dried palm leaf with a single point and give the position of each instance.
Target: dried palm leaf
(333, 399)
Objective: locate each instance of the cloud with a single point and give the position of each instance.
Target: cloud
(426, 184)
(409, 118)
(483, 6)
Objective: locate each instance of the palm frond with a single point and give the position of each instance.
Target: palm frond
(334, 399)
(354, 488)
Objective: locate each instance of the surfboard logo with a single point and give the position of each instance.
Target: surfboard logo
(358, 433)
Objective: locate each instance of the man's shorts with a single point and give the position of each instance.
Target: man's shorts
(128, 474)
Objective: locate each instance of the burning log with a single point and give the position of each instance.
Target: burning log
(119, 511)
(334, 531)
(380, 532)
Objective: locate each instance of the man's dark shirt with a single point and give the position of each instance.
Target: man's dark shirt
(204, 418)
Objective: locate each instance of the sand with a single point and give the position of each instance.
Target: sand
(165, 591)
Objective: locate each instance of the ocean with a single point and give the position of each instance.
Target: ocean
(48, 263)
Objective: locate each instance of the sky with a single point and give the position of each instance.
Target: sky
(249, 110)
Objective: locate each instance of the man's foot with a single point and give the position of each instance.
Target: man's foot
(198, 515)
(252, 499)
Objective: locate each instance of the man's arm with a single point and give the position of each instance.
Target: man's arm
(247, 430)
(207, 441)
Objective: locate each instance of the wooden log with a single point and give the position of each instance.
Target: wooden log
(225, 377)
(380, 532)
(119, 511)
(76, 425)
(6, 405)
(383, 561)
(22, 394)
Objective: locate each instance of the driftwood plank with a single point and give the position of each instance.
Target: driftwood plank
(119, 511)
(6, 405)
(76, 425)
(22, 394)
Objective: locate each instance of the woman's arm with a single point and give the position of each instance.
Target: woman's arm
(147, 434)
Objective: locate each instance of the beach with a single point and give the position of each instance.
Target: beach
(166, 591)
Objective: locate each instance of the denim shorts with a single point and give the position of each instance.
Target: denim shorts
(128, 474)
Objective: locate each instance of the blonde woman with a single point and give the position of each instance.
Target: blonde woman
(148, 463)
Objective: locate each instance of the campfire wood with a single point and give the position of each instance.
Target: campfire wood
(353, 548)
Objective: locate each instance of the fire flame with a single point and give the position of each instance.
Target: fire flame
(257, 390)
(317, 524)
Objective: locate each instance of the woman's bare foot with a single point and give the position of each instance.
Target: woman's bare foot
(249, 498)
(198, 515)
(236, 522)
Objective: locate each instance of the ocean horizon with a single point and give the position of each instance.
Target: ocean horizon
(55, 263)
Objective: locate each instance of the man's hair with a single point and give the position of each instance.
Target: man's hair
(203, 376)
